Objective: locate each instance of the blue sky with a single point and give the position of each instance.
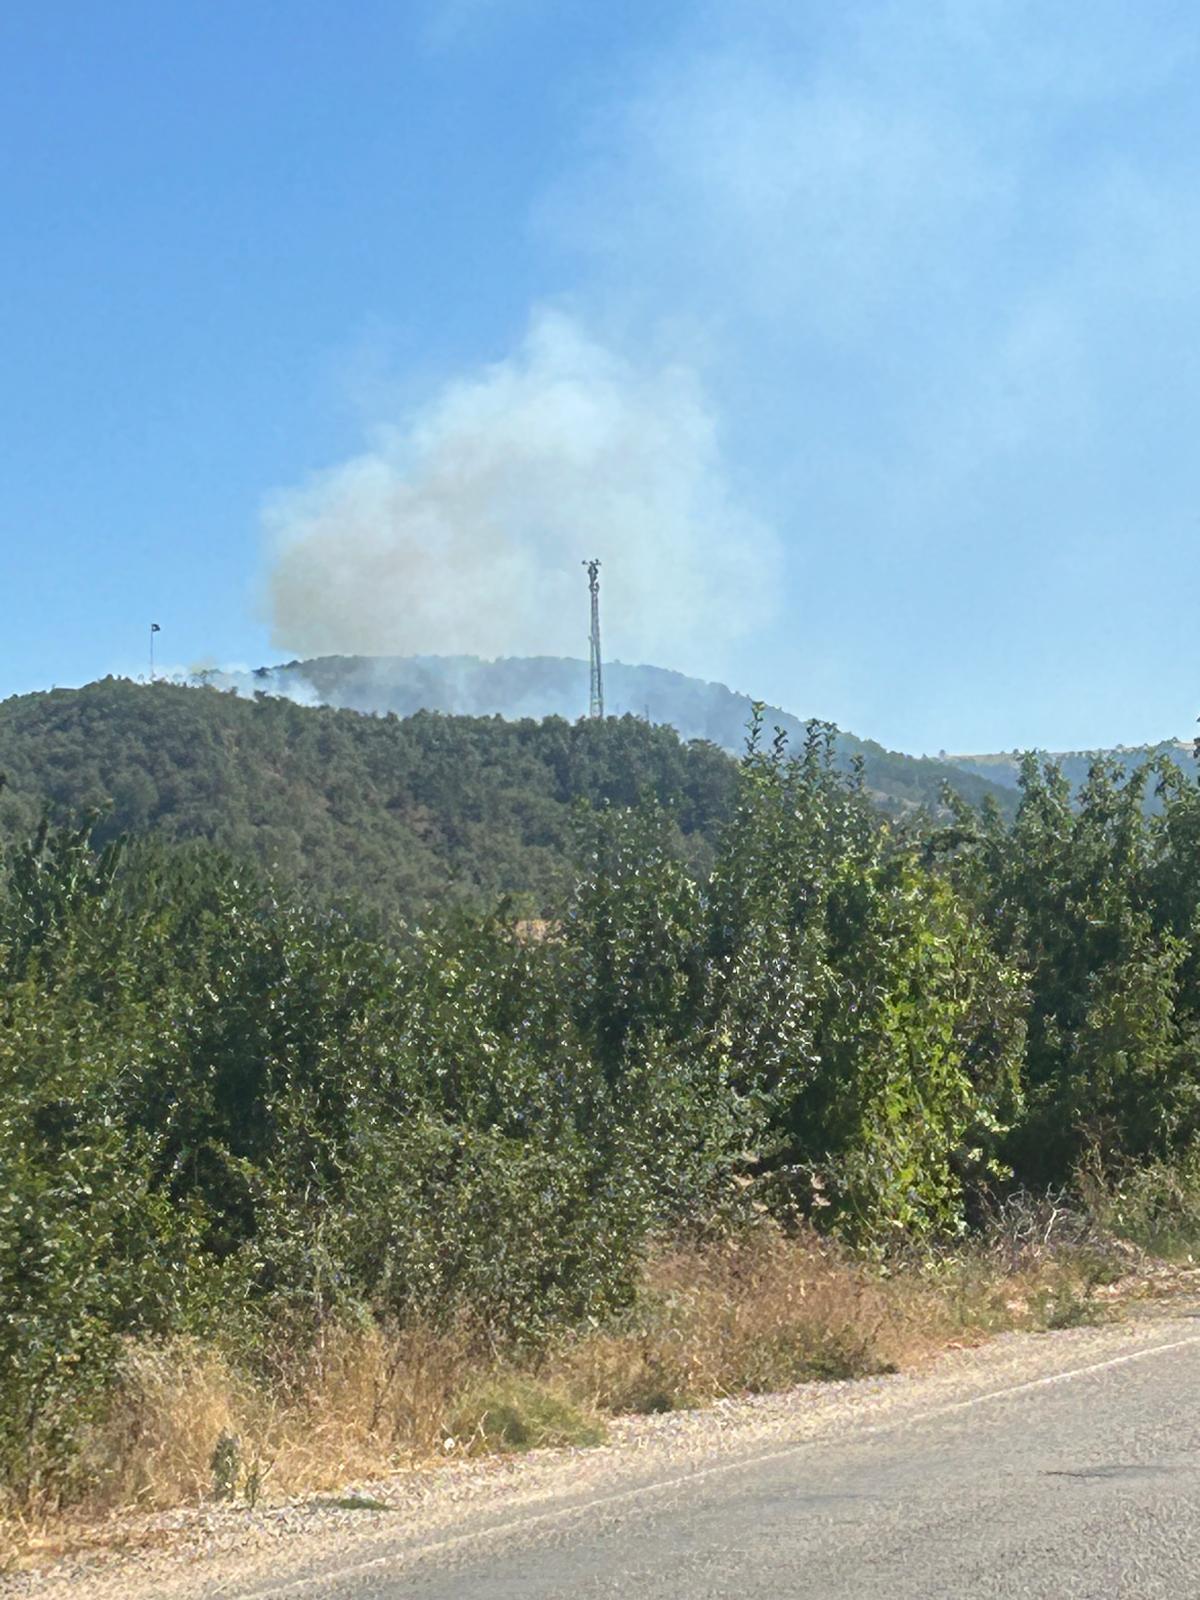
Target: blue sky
(859, 341)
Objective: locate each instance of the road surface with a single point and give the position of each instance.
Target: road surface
(1081, 1482)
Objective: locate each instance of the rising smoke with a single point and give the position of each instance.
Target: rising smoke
(461, 530)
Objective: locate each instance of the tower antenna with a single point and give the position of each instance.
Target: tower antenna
(596, 693)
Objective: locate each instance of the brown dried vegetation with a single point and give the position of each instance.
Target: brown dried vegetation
(746, 1316)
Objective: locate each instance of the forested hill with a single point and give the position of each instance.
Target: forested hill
(397, 811)
(1005, 768)
(555, 686)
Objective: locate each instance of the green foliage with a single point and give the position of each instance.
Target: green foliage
(226, 1109)
(399, 814)
(880, 1030)
(1156, 1206)
(1096, 901)
(518, 1413)
(543, 686)
(90, 1246)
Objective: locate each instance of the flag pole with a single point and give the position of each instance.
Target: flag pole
(154, 628)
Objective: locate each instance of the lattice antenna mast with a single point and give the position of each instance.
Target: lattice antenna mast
(596, 695)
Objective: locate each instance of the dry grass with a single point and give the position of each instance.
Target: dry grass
(771, 1311)
(173, 1404)
(744, 1317)
(186, 1425)
(749, 1317)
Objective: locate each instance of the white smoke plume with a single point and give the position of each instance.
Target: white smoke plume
(280, 682)
(462, 529)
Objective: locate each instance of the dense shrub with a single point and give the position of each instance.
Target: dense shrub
(1096, 901)
(224, 1112)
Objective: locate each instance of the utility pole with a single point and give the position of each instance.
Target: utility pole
(154, 628)
(596, 690)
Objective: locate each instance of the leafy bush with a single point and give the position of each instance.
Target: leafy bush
(229, 1115)
(1097, 903)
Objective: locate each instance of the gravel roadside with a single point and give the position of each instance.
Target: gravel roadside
(217, 1550)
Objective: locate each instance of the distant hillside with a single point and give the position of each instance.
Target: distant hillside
(1004, 768)
(400, 813)
(544, 686)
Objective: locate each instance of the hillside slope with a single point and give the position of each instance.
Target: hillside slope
(553, 686)
(1005, 767)
(399, 813)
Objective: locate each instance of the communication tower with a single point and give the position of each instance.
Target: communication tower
(596, 695)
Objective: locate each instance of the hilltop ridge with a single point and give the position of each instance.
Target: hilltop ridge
(1004, 767)
(400, 811)
(556, 686)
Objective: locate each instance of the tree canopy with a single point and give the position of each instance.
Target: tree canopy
(399, 813)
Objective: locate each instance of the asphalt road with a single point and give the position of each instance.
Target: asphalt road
(1084, 1482)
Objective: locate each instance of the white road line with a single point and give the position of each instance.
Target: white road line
(719, 1469)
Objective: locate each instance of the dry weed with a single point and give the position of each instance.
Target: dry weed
(770, 1310)
(759, 1313)
(171, 1406)
(745, 1317)
(184, 1425)
(370, 1399)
